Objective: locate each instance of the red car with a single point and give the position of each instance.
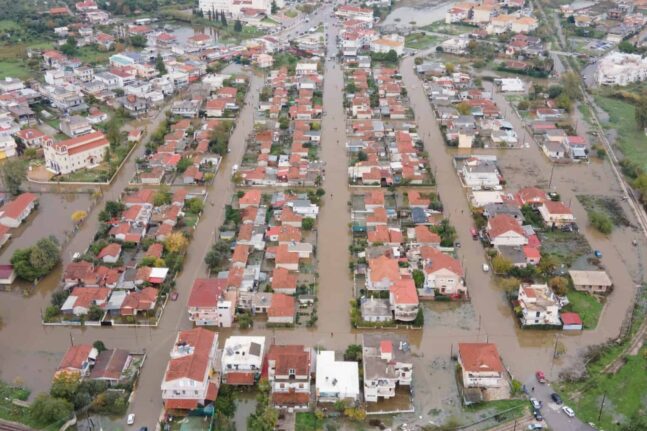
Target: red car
(174, 296)
(540, 377)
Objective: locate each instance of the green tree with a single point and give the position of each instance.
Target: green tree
(49, 410)
(112, 210)
(159, 64)
(353, 353)
(99, 346)
(163, 195)
(194, 205)
(223, 20)
(636, 423)
(138, 41)
(70, 47)
(601, 222)
(501, 265)
(391, 56)
(640, 112)
(218, 255)
(564, 102)
(627, 47)
(307, 223)
(274, 8)
(418, 278)
(640, 184)
(559, 285)
(95, 313)
(464, 108)
(65, 386)
(46, 254)
(183, 164)
(284, 123)
(14, 172)
(245, 320)
(571, 85)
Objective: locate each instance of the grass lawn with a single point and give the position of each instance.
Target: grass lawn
(8, 25)
(625, 393)
(14, 68)
(14, 413)
(631, 141)
(451, 29)
(291, 13)
(568, 246)
(419, 41)
(587, 306)
(306, 421)
(89, 54)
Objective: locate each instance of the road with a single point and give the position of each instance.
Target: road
(522, 350)
(552, 413)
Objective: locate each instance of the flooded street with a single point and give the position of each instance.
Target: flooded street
(525, 351)
(418, 14)
(30, 352)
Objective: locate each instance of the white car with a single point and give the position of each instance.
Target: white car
(569, 411)
(486, 267)
(131, 419)
(535, 404)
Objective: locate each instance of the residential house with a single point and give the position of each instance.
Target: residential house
(289, 368)
(242, 360)
(83, 152)
(556, 213)
(538, 305)
(403, 298)
(14, 212)
(596, 282)
(210, 304)
(503, 229)
(78, 360)
(387, 363)
(483, 376)
(191, 378)
(336, 380)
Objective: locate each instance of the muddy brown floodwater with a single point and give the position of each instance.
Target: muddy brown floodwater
(30, 352)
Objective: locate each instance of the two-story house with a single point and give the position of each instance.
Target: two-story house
(387, 363)
(482, 372)
(209, 303)
(539, 305)
(289, 370)
(191, 378)
(242, 360)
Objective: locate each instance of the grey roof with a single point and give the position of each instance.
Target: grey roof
(255, 349)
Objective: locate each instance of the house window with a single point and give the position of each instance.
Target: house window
(292, 371)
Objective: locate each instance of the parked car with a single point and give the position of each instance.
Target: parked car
(174, 296)
(541, 378)
(569, 411)
(555, 397)
(536, 426)
(486, 267)
(535, 403)
(597, 254)
(131, 419)
(537, 415)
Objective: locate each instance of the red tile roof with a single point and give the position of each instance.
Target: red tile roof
(282, 306)
(14, 208)
(75, 356)
(479, 357)
(503, 223)
(404, 292)
(239, 378)
(193, 366)
(206, 292)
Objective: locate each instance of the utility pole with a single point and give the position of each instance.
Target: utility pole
(604, 397)
(71, 340)
(552, 170)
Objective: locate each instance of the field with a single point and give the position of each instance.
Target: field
(631, 141)
(419, 41)
(13, 58)
(587, 306)
(91, 55)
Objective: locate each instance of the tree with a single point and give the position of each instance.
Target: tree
(70, 47)
(194, 205)
(554, 91)
(176, 243)
(218, 255)
(183, 164)
(559, 285)
(307, 223)
(159, 64)
(571, 85)
(418, 278)
(450, 68)
(640, 112)
(391, 56)
(223, 20)
(636, 423)
(351, 88)
(99, 346)
(355, 414)
(627, 47)
(78, 216)
(65, 386)
(14, 172)
(564, 102)
(523, 105)
(274, 8)
(37, 261)
(601, 222)
(548, 264)
(138, 41)
(353, 353)
(245, 320)
(95, 313)
(284, 123)
(464, 108)
(49, 410)
(501, 265)
(640, 184)
(162, 196)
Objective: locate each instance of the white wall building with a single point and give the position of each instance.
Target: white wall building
(336, 380)
(82, 152)
(618, 68)
(242, 360)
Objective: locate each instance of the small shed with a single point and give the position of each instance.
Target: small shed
(571, 321)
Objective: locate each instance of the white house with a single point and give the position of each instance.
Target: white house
(556, 213)
(387, 363)
(503, 229)
(191, 377)
(242, 360)
(391, 42)
(14, 212)
(481, 365)
(289, 368)
(480, 173)
(336, 380)
(209, 304)
(539, 305)
(622, 69)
